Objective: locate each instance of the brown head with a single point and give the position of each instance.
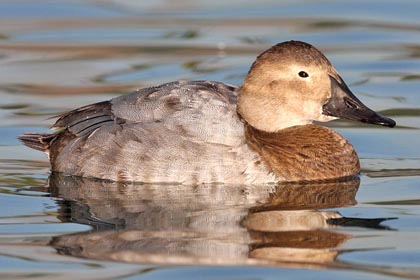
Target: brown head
(293, 83)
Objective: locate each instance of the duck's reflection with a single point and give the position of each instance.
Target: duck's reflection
(205, 224)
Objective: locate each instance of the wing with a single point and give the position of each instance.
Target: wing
(198, 110)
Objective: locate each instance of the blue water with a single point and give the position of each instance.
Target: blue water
(59, 55)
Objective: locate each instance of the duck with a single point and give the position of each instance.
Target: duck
(194, 132)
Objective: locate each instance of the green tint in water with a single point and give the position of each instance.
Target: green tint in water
(58, 56)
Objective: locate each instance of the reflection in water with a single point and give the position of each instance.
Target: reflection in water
(206, 224)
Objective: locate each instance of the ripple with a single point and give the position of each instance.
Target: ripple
(391, 167)
(58, 57)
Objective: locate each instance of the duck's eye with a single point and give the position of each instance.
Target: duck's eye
(303, 74)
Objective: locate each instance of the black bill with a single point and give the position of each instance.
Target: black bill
(343, 104)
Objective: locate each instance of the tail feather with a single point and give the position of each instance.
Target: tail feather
(38, 141)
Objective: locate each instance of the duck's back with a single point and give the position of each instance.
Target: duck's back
(185, 132)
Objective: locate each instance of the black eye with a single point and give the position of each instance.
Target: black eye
(303, 74)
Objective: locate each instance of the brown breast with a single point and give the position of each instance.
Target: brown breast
(307, 152)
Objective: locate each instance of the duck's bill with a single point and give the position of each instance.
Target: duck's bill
(343, 104)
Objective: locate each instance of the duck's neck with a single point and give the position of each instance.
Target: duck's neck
(268, 114)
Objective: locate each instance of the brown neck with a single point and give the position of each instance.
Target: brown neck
(304, 153)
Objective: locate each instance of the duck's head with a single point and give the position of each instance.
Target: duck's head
(293, 83)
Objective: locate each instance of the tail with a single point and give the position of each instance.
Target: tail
(38, 141)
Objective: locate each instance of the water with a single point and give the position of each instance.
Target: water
(58, 55)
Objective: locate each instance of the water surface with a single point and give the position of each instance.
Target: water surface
(58, 55)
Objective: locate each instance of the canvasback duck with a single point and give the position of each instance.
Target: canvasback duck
(192, 132)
